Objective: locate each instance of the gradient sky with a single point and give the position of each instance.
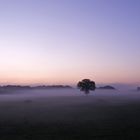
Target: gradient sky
(64, 41)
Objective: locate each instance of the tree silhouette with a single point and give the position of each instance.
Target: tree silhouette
(86, 85)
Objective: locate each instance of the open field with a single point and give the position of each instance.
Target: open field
(69, 114)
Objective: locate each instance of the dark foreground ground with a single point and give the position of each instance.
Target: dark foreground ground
(70, 118)
(65, 131)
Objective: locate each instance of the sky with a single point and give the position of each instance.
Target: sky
(64, 41)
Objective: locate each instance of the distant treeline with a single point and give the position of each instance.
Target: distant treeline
(107, 87)
(16, 87)
(20, 87)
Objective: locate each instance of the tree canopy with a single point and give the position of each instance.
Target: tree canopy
(86, 85)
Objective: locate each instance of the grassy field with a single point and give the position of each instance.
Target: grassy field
(70, 115)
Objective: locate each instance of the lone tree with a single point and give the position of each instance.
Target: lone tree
(86, 85)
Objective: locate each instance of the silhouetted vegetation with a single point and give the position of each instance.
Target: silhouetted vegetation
(138, 88)
(86, 85)
(19, 87)
(107, 87)
(52, 87)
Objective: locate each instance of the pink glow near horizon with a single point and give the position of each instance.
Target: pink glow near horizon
(62, 42)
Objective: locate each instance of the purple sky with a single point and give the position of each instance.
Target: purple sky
(63, 41)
